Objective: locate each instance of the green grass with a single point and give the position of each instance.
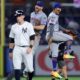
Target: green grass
(48, 78)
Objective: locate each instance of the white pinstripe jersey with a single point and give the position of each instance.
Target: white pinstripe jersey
(21, 33)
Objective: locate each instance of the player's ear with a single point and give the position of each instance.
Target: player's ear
(23, 16)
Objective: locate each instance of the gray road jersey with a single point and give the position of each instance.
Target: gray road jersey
(38, 18)
(53, 19)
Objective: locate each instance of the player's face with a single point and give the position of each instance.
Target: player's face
(57, 10)
(20, 18)
(37, 8)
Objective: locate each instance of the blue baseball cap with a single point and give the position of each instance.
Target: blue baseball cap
(56, 5)
(40, 3)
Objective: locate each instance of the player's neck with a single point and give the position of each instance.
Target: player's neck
(38, 11)
(20, 23)
(54, 11)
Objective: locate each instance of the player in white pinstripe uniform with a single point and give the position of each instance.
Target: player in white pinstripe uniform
(22, 37)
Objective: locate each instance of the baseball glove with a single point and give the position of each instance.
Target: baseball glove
(37, 22)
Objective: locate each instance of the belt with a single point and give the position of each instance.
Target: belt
(23, 46)
(57, 42)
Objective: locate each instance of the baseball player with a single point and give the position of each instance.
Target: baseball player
(22, 37)
(62, 67)
(38, 19)
(55, 36)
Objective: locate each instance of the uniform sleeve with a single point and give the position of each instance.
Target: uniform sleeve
(44, 20)
(50, 29)
(31, 30)
(31, 18)
(11, 35)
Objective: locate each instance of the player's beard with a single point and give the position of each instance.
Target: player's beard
(36, 10)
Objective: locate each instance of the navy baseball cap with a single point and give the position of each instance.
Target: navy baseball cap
(56, 5)
(40, 3)
(19, 13)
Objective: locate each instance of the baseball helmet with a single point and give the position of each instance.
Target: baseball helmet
(56, 5)
(40, 3)
(19, 13)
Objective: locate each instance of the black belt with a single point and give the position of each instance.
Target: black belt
(23, 46)
(57, 41)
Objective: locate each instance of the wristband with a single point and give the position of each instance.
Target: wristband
(10, 50)
(31, 46)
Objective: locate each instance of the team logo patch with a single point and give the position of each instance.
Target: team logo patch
(24, 30)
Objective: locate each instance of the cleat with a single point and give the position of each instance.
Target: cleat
(25, 74)
(53, 79)
(55, 74)
(66, 56)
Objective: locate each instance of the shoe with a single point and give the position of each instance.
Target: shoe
(25, 74)
(52, 79)
(55, 74)
(66, 56)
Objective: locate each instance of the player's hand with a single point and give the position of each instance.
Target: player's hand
(29, 50)
(11, 55)
(67, 31)
(49, 48)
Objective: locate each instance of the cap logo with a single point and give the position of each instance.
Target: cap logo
(18, 12)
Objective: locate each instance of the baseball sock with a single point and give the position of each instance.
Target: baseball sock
(30, 75)
(10, 76)
(53, 78)
(54, 63)
(17, 74)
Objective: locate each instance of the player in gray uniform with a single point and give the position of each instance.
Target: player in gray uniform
(55, 36)
(39, 20)
(22, 37)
